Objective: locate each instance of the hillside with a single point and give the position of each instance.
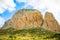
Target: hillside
(28, 34)
(7, 25)
(29, 24)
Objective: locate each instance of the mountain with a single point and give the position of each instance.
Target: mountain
(27, 19)
(32, 18)
(29, 24)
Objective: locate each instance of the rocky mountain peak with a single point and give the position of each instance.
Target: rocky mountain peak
(31, 18)
(28, 19)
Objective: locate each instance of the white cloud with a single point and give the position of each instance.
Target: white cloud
(7, 5)
(46, 5)
(1, 22)
(21, 0)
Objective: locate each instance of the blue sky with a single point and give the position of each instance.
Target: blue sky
(9, 7)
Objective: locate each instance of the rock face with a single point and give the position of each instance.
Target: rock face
(31, 18)
(27, 18)
(50, 22)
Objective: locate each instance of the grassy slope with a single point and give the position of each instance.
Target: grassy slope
(28, 34)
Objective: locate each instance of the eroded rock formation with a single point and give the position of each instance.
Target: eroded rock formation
(31, 18)
(27, 19)
(50, 22)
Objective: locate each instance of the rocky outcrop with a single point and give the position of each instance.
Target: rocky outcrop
(31, 18)
(50, 22)
(27, 18)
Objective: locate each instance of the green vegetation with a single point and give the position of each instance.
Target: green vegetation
(28, 34)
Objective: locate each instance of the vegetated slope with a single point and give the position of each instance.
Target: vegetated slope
(33, 34)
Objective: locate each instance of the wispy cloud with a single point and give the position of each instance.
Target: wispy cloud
(46, 5)
(7, 5)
